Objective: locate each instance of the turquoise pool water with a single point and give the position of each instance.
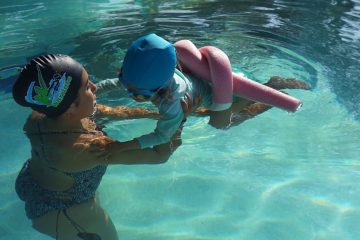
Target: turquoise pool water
(279, 176)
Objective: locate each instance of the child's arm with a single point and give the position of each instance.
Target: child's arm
(155, 155)
(171, 116)
(107, 85)
(166, 126)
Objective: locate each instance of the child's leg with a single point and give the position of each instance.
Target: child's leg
(275, 82)
(211, 64)
(278, 83)
(244, 109)
(248, 112)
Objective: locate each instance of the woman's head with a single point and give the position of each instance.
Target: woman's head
(49, 84)
(149, 63)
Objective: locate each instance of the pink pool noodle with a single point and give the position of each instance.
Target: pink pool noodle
(211, 64)
(258, 92)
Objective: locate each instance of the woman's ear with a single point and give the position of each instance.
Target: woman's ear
(70, 112)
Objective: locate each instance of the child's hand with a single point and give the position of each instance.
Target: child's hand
(188, 105)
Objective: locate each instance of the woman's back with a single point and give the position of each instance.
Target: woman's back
(51, 179)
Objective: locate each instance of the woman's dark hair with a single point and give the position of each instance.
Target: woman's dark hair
(48, 84)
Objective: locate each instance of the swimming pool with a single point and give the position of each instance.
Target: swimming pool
(279, 176)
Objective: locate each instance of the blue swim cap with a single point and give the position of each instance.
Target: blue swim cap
(149, 63)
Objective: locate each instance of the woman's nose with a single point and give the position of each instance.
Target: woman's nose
(93, 87)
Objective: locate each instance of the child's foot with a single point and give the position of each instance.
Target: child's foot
(277, 82)
(248, 113)
(255, 109)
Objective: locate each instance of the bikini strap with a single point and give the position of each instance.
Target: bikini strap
(40, 134)
(61, 132)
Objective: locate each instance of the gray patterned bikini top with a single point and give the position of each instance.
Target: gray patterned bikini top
(85, 182)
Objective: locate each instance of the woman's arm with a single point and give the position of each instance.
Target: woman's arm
(107, 151)
(124, 112)
(156, 155)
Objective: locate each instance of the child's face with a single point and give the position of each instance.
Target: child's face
(142, 95)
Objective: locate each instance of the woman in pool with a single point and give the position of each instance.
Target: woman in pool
(70, 153)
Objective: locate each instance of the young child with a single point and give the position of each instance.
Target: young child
(151, 71)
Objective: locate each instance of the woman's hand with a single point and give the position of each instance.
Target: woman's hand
(167, 149)
(188, 105)
(99, 146)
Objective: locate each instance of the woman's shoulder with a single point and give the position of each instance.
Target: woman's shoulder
(67, 149)
(39, 127)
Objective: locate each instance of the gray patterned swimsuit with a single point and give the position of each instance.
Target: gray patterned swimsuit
(39, 201)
